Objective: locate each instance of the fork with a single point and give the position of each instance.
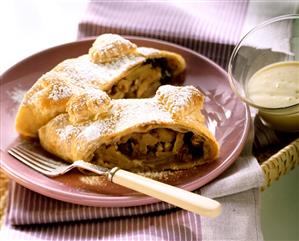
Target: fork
(31, 156)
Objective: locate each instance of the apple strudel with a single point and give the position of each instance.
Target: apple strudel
(165, 132)
(113, 64)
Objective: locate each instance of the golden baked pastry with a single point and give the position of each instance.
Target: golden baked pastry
(113, 64)
(165, 132)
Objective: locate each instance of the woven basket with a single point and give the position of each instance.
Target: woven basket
(280, 163)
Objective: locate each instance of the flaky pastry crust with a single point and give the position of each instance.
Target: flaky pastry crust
(109, 47)
(112, 65)
(80, 140)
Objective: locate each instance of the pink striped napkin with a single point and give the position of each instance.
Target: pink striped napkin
(31, 216)
(211, 28)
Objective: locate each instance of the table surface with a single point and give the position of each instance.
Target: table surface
(26, 29)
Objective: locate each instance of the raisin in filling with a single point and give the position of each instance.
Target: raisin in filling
(143, 81)
(159, 149)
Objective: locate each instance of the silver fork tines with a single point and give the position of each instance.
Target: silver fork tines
(36, 161)
(33, 156)
(39, 161)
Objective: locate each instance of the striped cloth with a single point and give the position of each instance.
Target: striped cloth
(31, 216)
(211, 28)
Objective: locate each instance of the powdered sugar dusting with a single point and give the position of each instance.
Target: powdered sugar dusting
(17, 94)
(66, 132)
(108, 47)
(81, 71)
(60, 92)
(142, 111)
(178, 100)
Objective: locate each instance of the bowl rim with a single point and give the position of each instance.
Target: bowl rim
(234, 53)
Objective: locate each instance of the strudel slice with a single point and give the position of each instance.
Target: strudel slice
(113, 64)
(165, 132)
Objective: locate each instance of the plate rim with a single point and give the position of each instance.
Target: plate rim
(92, 199)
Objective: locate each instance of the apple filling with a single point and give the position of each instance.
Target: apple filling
(156, 150)
(143, 81)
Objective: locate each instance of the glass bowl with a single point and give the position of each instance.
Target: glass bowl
(264, 71)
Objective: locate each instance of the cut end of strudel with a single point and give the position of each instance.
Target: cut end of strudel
(113, 64)
(165, 132)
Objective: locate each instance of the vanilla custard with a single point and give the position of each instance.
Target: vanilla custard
(276, 85)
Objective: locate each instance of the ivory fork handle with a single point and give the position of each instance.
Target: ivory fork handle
(181, 198)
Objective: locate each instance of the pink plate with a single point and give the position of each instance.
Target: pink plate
(226, 116)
